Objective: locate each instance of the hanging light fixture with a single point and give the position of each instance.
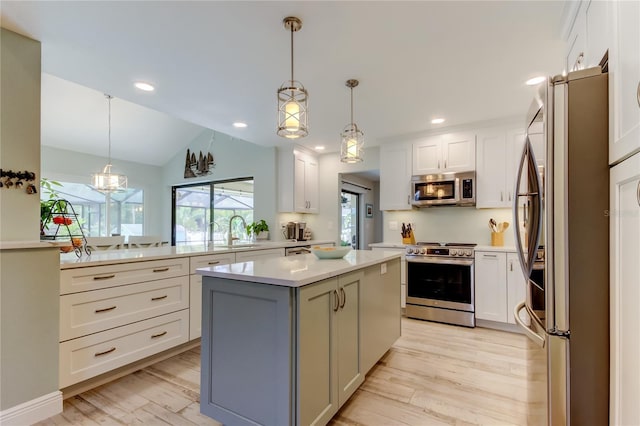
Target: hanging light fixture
(107, 181)
(352, 138)
(292, 97)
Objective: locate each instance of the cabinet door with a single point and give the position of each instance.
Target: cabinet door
(395, 176)
(625, 292)
(350, 374)
(577, 43)
(458, 152)
(299, 176)
(491, 286)
(311, 185)
(491, 173)
(318, 352)
(427, 156)
(516, 288)
(624, 81)
(598, 30)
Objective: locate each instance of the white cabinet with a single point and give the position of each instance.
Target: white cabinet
(577, 42)
(450, 152)
(403, 272)
(246, 256)
(491, 286)
(624, 81)
(395, 176)
(329, 346)
(516, 288)
(297, 181)
(195, 287)
(625, 291)
(598, 27)
(497, 157)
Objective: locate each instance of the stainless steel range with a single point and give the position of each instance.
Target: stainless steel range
(440, 283)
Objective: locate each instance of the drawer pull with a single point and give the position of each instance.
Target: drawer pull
(108, 351)
(153, 336)
(214, 262)
(489, 255)
(105, 309)
(161, 270)
(104, 277)
(159, 297)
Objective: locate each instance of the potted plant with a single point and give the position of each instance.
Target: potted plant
(259, 230)
(46, 206)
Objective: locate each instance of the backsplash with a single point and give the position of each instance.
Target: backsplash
(449, 224)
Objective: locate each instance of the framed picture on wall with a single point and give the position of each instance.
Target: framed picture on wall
(369, 209)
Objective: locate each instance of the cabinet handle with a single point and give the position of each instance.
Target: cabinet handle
(438, 163)
(509, 195)
(638, 94)
(445, 164)
(214, 262)
(154, 336)
(501, 196)
(511, 265)
(344, 297)
(408, 199)
(489, 255)
(108, 351)
(104, 277)
(638, 193)
(161, 270)
(336, 299)
(159, 297)
(105, 310)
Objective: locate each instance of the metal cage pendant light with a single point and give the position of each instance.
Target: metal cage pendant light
(292, 97)
(107, 181)
(351, 148)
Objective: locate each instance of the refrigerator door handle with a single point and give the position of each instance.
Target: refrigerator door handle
(535, 337)
(516, 216)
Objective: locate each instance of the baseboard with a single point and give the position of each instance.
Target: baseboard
(33, 411)
(512, 328)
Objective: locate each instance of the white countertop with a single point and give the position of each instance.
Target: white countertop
(506, 249)
(110, 257)
(37, 244)
(297, 271)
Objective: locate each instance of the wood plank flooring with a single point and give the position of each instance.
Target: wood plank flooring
(435, 374)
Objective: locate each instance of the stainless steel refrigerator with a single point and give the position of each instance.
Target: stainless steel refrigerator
(562, 236)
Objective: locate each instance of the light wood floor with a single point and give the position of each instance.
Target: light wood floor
(435, 374)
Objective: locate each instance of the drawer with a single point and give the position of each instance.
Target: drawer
(96, 277)
(211, 260)
(89, 356)
(93, 311)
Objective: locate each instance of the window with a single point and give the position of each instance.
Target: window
(201, 212)
(125, 214)
(349, 216)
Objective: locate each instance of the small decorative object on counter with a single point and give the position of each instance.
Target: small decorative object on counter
(497, 232)
(67, 226)
(258, 230)
(407, 234)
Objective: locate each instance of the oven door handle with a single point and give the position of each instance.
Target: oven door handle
(417, 259)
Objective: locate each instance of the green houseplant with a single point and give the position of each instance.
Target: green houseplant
(260, 230)
(46, 206)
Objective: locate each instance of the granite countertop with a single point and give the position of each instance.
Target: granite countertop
(110, 257)
(297, 271)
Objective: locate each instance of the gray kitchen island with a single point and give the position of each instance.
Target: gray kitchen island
(287, 341)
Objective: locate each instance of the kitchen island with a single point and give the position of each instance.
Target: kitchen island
(287, 341)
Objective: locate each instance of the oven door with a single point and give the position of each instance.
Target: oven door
(441, 283)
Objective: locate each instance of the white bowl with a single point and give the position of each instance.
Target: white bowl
(330, 252)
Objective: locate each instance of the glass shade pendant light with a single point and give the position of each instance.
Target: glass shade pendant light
(107, 181)
(292, 97)
(352, 138)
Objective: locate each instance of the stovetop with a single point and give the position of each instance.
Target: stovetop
(441, 249)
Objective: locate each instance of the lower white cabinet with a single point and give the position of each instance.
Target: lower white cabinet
(499, 286)
(244, 256)
(329, 336)
(195, 287)
(625, 291)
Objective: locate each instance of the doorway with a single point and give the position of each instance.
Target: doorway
(349, 217)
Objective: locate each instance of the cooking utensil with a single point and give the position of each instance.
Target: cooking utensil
(504, 226)
(493, 225)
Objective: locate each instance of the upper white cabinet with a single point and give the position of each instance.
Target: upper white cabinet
(497, 156)
(577, 42)
(297, 181)
(395, 176)
(625, 292)
(590, 34)
(450, 152)
(624, 80)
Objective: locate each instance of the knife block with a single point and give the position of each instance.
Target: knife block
(410, 240)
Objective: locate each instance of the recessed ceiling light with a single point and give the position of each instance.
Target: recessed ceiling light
(535, 80)
(319, 148)
(144, 86)
(437, 121)
(239, 124)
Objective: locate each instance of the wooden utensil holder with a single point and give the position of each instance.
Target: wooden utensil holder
(497, 239)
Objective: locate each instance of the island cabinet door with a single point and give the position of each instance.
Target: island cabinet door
(317, 352)
(350, 374)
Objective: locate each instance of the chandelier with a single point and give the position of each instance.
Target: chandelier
(106, 181)
(352, 138)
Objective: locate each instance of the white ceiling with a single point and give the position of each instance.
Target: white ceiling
(216, 62)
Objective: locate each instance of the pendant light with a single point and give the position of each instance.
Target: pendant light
(292, 97)
(352, 138)
(107, 181)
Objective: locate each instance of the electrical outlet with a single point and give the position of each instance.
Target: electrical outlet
(393, 225)
(383, 268)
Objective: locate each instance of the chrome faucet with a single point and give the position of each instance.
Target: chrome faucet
(230, 237)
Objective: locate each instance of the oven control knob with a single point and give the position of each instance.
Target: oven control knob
(409, 250)
(467, 252)
(453, 252)
(423, 251)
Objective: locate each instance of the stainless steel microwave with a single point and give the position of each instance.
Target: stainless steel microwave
(446, 189)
